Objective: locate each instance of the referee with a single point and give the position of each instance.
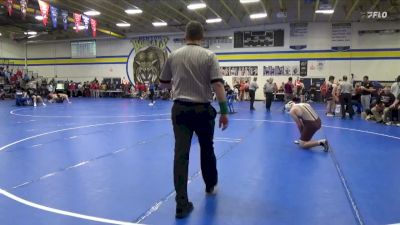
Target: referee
(345, 90)
(193, 72)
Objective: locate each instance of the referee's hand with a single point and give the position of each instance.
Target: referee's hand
(223, 121)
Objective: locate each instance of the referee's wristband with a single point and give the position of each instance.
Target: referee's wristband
(223, 107)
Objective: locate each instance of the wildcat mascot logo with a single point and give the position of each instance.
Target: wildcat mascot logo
(150, 55)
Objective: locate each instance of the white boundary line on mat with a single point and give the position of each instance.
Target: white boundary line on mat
(109, 221)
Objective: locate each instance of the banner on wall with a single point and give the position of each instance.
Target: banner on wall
(298, 36)
(93, 25)
(150, 55)
(341, 36)
(44, 10)
(23, 6)
(316, 65)
(64, 15)
(157, 41)
(77, 20)
(242, 71)
(281, 70)
(303, 68)
(9, 5)
(54, 16)
(86, 21)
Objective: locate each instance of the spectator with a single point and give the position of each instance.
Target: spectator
(246, 90)
(151, 95)
(382, 108)
(2, 94)
(356, 98)
(252, 92)
(288, 88)
(330, 100)
(241, 89)
(395, 107)
(366, 90)
(395, 89)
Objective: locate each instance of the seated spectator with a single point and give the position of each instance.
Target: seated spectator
(393, 108)
(382, 108)
(2, 94)
(395, 89)
(281, 88)
(57, 98)
(26, 77)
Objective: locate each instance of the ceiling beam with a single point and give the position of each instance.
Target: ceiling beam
(215, 12)
(176, 11)
(353, 7)
(267, 8)
(116, 15)
(151, 9)
(298, 10)
(334, 8)
(315, 9)
(195, 11)
(282, 7)
(374, 5)
(230, 10)
(245, 8)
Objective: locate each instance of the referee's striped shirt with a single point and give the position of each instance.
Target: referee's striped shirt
(191, 69)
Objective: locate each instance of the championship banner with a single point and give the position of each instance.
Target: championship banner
(44, 9)
(341, 36)
(303, 68)
(54, 16)
(64, 15)
(9, 4)
(23, 6)
(93, 25)
(147, 59)
(77, 19)
(298, 36)
(86, 21)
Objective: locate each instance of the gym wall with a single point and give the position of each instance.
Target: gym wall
(375, 55)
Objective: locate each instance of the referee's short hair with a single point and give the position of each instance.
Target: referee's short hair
(194, 31)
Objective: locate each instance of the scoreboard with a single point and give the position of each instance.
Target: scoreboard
(249, 39)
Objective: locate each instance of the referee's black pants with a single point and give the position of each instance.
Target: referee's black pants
(346, 106)
(269, 96)
(189, 118)
(252, 94)
(151, 96)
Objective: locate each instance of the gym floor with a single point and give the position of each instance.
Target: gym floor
(109, 161)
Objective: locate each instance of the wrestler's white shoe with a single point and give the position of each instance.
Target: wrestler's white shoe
(325, 144)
